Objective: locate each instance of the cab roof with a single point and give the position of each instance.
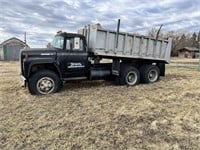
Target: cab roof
(65, 34)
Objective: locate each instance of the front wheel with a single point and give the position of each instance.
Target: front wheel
(44, 82)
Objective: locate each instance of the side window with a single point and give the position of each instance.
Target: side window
(69, 44)
(81, 45)
(74, 44)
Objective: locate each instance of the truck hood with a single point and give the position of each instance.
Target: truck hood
(38, 52)
(38, 49)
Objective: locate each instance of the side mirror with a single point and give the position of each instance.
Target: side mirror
(49, 45)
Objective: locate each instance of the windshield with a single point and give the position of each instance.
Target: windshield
(58, 42)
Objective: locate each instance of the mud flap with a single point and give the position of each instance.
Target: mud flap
(161, 67)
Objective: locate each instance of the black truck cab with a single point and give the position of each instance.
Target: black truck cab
(66, 59)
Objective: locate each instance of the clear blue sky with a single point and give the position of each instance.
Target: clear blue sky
(41, 19)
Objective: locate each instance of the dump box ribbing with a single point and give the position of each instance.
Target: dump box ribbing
(102, 42)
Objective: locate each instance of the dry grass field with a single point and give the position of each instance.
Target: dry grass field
(102, 115)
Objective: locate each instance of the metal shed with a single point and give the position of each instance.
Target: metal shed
(10, 49)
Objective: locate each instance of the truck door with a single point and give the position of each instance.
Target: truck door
(74, 58)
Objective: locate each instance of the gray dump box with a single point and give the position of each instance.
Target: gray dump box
(104, 43)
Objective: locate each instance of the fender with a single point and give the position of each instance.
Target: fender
(30, 62)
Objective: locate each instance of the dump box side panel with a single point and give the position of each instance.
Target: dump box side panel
(103, 42)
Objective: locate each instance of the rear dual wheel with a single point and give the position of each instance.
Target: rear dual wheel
(149, 73)
(129, 76)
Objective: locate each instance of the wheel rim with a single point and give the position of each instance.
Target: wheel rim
(131, 78)
(153, 75)
(45, 85)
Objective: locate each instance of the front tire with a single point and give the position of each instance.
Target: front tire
(44, 82)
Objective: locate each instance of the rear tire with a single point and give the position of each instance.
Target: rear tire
(129, 76)
(44, 82)
(149, 73)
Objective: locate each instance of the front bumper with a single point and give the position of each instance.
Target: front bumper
(23, 81)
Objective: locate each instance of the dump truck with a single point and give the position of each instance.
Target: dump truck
(130, 59)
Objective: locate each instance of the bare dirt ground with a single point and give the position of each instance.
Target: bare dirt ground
(102, 115)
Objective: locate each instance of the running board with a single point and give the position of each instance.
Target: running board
(75, 78)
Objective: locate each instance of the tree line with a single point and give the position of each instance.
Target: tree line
(180, 39)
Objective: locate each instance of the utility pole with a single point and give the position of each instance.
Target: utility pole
(199, 50)
(25, 37)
